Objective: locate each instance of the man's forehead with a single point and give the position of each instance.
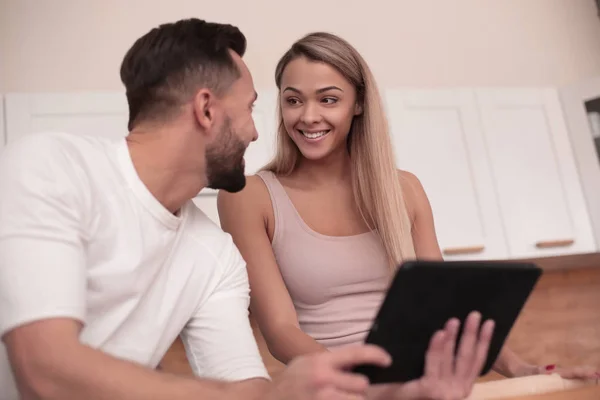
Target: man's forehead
(239, 62)
(245, 82)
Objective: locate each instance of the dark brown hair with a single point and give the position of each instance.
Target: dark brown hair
(169, 64)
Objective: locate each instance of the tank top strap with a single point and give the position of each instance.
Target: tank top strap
(283, 208)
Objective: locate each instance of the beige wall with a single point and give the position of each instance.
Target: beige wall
(57, 45)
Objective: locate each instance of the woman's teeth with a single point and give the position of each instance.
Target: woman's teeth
(314, 135)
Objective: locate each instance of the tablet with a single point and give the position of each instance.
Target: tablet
(424, 295)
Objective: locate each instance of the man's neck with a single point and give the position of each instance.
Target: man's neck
(163, 165)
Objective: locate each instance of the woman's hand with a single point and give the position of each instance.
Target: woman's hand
(448, 376)
(579, 372)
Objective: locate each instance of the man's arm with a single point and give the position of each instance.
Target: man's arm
(49, 362)
(43, 288)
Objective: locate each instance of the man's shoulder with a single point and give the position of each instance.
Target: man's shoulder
(203, 229)
(208, 243)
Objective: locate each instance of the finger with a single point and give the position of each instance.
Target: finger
(348, 357)
(447, 362)
(578, 373)
(483, 346)
(348, 382)
(466, 348)
(434, 355)
(548, 369)
(331, 393)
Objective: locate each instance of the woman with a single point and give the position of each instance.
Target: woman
(323, 226)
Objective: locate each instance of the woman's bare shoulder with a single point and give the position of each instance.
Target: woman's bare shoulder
(410, 183)
(413, 191)
(254, 196)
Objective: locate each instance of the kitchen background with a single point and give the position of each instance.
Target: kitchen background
(493, 104)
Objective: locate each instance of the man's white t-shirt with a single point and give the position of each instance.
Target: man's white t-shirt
(82, 237)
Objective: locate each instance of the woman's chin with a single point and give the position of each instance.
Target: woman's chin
(316, 154)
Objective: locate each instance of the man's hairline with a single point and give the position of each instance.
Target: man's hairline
(234, 73)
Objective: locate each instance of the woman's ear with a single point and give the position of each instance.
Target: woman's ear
(358, 109)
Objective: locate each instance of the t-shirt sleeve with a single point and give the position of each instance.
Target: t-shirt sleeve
(42, 262)
(219, 341)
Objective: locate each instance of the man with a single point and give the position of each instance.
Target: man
(105, 260)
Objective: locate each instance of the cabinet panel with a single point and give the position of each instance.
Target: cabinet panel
(2, 122)
(208, 204)
(534, 174)
(581, 105)
(104, 114)
(436, 136)
(264, 114)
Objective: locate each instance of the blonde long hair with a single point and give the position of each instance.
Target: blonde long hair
(375, 182)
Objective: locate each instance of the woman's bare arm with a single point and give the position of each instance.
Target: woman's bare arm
(419, 209)
(245, 216)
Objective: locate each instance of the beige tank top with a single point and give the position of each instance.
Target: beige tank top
(336, 283)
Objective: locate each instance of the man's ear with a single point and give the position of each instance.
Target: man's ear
(204, 107)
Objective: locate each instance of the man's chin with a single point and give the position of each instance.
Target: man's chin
(234, 189)
(234, 185)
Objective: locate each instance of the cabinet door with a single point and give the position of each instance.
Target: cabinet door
(581, 102)
(2, 123)
(535, 177)
(104, 114)
(436, 136)
(262, 150)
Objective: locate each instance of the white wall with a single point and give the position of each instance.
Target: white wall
(58, 45)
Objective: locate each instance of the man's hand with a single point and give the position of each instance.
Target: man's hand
(326, 375)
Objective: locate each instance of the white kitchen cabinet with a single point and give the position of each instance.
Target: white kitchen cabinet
(581, 105)
(103, 114)
(537, 186)
(264, 113)
(2, 122)
(437, 136)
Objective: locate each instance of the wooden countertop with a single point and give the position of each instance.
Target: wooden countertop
(568, 262)
(588, 393)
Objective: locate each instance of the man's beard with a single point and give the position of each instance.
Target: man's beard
(224, 161)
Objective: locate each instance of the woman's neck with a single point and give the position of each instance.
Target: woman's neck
(334, 168)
